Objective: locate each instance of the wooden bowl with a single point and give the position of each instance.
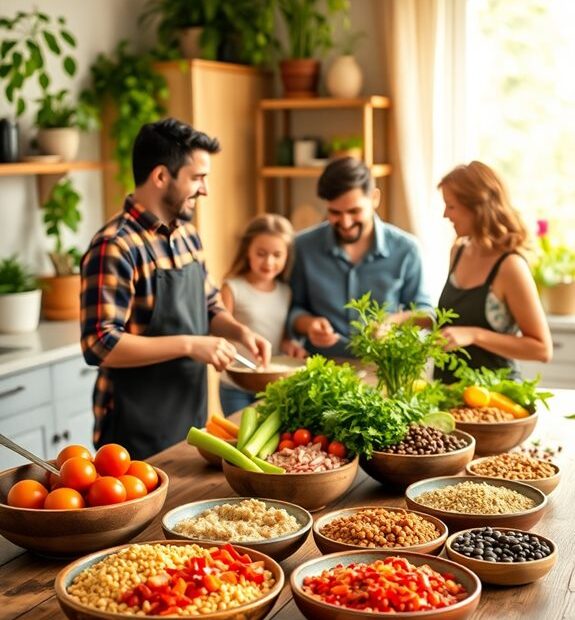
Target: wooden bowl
(68, 533)
(457, 521)
(312, 491)
(503, 573)
(250, 611)
(328, 545)
(547, 485)
(317, 610)
(212, 459)
(278, 548)
(401, 470)
(498, 437)
(256, 380)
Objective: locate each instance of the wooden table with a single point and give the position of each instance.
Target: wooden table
(26, 580)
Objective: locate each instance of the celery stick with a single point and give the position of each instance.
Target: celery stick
(215, 445)
(270, 446)
(248, 425)
(263, 434)
(268, 468)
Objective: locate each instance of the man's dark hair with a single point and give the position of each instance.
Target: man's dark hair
(341, 176)
(167, 143)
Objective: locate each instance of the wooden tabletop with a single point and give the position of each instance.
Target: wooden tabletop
(26, 580)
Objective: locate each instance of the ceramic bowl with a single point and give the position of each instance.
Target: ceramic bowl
(314, 609)
(498, 437)
(401, 470)
(278, 548)
(456, 521)
(328, 545)
(311, 491)
(547, 485)
(249, 611)
(502, 573)
(213, 459)
(67, 533)
(256, 380)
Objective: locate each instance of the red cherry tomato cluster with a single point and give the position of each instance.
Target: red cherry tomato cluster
(302, 437)
(110, 477)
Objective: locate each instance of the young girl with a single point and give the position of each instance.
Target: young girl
(256, 293)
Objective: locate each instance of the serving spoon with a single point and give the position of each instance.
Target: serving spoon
(8, 443)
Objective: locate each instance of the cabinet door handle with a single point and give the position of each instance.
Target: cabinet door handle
(12, 392)
(66, 435)
(87, 371)
(557, 345)
(56, 439)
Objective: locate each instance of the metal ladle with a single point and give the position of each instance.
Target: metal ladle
(8, 443)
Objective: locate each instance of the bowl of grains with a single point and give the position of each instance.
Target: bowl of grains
(463, 502)
(503, 556)
(495, 430)
(280, 366)
(515, 466)
(337, 586)
(159, 579)
(424, 453)
(275, 528)
(379, 527)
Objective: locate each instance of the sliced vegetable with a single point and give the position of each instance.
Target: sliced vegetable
(265, 431)
(476, 396)
(506, 404)
(248, 425)
(268, 468)
(217, 431)
(270, 446)
(229, 426)
(221, 448)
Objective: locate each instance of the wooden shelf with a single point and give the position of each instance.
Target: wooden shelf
(325, 103)
(292, 172)
(33, 167)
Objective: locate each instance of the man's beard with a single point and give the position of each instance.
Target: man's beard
(177, 208)
(349, 237)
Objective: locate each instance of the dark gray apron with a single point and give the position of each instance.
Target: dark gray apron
(155, 405)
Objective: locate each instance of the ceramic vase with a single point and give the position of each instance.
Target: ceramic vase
(344, 78)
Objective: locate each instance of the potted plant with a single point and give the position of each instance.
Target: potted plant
(350, 146)
(59, 123)
(61, 293)
(19, 297)
(27, 41)
(310, 34)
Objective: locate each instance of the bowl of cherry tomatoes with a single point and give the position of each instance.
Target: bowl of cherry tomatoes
(96, 501)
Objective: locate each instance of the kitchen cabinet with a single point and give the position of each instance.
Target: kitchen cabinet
(373, 132)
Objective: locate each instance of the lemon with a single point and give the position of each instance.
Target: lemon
(419, 385)
(441, 420)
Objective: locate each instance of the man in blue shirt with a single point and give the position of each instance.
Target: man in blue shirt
(353, 252)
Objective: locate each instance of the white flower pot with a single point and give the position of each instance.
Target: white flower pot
(20, 312)
(344, 78)
(62, 141)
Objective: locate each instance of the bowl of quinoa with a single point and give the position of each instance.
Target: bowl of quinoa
(161, 579)
(273, 527)
(463, 502)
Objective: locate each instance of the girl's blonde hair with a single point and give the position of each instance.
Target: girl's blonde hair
(497, 224)
(269, 224)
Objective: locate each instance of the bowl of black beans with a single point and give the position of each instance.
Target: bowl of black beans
(425, 452)
(502, 556)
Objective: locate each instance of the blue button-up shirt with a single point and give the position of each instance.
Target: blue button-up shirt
(324, 279)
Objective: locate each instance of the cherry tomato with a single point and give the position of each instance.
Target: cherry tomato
(145, 472)
(337, 449)
(64, 499)
(27, 494)
(74, 450)
(106, 490)
(134, 486)
(286, 435)
(322, 440)
(77, 473)
(301, 437)
(286, 443)
(112, 460)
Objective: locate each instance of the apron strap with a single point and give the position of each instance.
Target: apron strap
(495, 268)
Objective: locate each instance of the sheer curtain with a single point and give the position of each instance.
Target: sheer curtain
(424, 57)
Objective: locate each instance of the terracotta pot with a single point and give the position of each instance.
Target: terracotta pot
(300, 77)
(558, 299)
(190, 42)
(61, 297)
(344, 78)
(62, 141)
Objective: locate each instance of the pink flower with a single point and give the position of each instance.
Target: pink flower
(542, 228)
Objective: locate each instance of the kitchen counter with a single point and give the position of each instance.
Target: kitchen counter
(52, 341)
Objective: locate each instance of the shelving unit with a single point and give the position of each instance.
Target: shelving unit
(366, 106)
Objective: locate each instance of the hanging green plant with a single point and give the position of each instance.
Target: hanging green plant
(129, 83)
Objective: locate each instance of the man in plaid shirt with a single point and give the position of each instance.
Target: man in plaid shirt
(151, 317)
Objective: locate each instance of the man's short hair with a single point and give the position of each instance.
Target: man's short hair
(342, 175)
(167, 143)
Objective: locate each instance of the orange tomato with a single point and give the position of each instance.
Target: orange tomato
(145, 472)
(134, 486)
(77, 473)
(64, 498)
(106, 490)
(73, 450)
(112, 460)
(476, 396)
(27, 494)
